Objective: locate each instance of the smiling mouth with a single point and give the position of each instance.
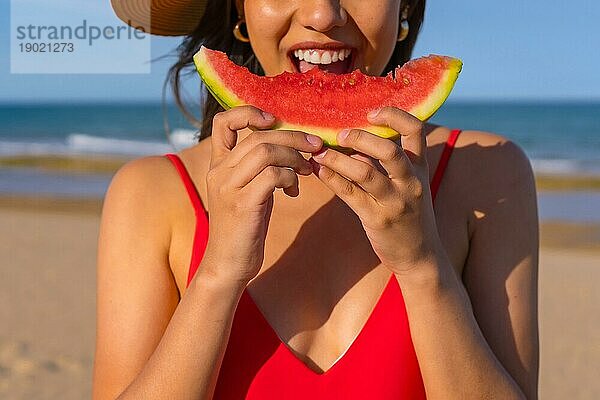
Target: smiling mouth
(337, 61)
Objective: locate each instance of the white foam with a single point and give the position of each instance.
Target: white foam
(589, 167)
(81, 143)
(555, 166)
(32, 148)
(183, 138)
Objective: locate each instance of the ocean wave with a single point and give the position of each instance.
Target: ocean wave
(81, 143)
(183, 138)
(565, 167)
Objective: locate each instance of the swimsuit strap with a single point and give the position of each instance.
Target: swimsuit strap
(201, 232)
(441, 167)
(187, 181)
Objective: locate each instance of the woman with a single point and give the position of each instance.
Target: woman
(346, 284)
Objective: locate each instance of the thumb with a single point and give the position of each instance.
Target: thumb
(227, 123)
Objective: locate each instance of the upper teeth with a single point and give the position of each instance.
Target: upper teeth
(316, 56)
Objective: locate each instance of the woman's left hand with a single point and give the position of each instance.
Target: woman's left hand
(387, 185)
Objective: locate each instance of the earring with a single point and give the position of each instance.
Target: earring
(403, 25)
(237, 33)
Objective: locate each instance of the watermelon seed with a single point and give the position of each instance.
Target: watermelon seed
(406, 81)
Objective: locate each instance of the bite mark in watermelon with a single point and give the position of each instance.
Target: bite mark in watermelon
(323, 103)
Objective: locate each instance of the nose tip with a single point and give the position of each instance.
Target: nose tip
(323, 15)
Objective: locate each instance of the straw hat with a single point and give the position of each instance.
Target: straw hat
(161, 17)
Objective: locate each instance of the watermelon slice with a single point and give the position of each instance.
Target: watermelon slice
(323, 103)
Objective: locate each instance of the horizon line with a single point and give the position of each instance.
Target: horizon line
(464, 100)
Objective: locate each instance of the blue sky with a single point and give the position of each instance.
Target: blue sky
(531, 49)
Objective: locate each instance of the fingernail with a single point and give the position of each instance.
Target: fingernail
(267, 116)
(343, 134)
(314, 140)
(319, 156)
(374, 113)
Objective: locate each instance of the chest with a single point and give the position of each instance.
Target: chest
(321, 281)
(379, 363)
(318, 241)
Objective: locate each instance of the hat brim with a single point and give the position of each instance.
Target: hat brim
(161, 17)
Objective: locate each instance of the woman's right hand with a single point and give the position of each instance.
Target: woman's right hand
(240, 183)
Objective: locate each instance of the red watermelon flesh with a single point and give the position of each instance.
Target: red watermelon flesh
(324, 103)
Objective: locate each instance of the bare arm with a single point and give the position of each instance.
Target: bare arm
(483, 345)
(149, 346)
(186, 363)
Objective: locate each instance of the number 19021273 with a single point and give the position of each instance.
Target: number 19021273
(35, 47)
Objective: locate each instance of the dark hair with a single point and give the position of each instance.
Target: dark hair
(215, 31)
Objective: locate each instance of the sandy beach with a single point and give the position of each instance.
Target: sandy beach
(70, 119)
(47, 297)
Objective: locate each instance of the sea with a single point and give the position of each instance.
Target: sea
(560, 138)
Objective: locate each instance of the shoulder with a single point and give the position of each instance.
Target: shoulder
(501, 145)
(495, 175)
(146, 196)
(153, 181)
(142, 170)
(146, 192)
(481, 160)
(139, 199)
(142, 181)
(492, 158)
(145, 210)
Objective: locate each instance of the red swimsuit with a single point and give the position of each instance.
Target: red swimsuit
(379, 364)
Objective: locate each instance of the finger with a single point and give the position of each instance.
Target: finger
(227, 123)
(369, 160)
(352, 194)
(271, 178)
(389, 154)
(294, 139)
(264, 155)
(364, 174)
(410, 128)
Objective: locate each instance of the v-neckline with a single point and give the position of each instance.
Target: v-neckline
(344, 354)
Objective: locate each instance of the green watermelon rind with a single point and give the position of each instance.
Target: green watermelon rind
(423, 111)
(427, 108)
(210, 77)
